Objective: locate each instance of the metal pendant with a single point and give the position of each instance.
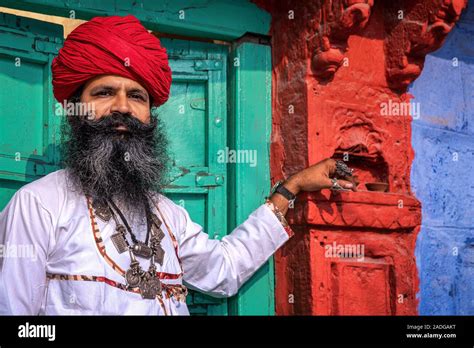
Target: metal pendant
(120, 242)
(150, 286)
(157, 233)
(102, 211)
(156, 220)
(142, 250)
(159, 254)
(134, 275)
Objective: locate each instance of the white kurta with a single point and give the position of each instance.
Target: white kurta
(54, 220)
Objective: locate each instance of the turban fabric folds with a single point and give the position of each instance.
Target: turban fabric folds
(112, 46)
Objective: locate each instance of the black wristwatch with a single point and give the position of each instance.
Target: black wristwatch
(278, 187)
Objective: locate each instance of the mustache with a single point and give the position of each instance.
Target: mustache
(107, 124)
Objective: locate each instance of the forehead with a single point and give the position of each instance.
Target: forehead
(114, 81)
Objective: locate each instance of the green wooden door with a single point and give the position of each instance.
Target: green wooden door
(196, 118)
(28, 127)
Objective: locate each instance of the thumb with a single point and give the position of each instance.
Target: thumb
(346, 184)
(327, 183)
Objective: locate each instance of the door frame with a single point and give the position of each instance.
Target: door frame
(250, 125)
(210, 19)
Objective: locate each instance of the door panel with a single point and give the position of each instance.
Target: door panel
(195, 120)
(186, 125)
(27, 125)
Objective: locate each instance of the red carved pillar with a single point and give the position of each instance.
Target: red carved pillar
(340, 72)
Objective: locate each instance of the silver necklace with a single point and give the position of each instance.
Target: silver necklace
(147, 281)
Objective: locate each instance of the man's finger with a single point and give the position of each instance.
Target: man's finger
(341, 185)
(346, 185)
(326, 183)
(331, 165)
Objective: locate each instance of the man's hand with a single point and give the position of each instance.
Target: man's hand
(313, 178)
(317, 177)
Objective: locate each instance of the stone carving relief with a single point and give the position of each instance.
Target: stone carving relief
(415, 29)
(336, 21)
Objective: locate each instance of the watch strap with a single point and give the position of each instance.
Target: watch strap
(281, 189)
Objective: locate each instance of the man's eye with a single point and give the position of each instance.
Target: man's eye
(137, 96)
(103, 93)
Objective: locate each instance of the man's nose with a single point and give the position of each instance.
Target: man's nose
(120, 104)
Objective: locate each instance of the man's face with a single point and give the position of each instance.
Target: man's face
(121, 153)
(111, 93)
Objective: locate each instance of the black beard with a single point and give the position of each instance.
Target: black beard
(110, 164)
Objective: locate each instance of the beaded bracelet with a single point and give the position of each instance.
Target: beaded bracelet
(280, 217)
(277, 212)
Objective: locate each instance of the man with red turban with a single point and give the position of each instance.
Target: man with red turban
(106, 241)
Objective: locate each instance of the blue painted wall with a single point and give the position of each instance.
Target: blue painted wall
(443, 174)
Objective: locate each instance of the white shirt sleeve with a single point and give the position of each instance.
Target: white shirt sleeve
(220, 267)
(26, 230)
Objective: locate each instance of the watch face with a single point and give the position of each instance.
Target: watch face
(278, 183)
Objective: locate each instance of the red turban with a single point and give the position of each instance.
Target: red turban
(112, 46)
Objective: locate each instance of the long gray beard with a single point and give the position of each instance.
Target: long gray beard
(106, 164)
